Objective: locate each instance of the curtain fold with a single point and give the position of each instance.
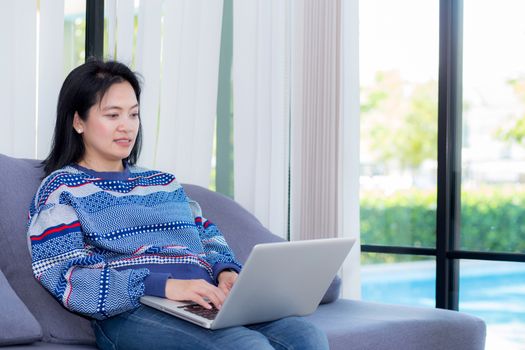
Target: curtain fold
(261, 109)
(18, 70)
(190, 64)
(32, 70)
(50, 70)
(120, 18)
(148, 65)
(349, 220)
(325, 127)
(315, 190)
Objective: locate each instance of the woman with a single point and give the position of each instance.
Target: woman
(104, 232)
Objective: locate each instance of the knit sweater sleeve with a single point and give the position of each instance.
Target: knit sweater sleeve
(72, 271)
(217, 252)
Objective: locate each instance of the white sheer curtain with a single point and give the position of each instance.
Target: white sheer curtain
(177, 53)
(349, 145)
(315, 149)
(296, 69)
(51, 70)
(148, 63)
(121, 27)
(325, 127)
(31, 67)
(261, 109)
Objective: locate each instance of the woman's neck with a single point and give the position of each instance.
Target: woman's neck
(102, 166)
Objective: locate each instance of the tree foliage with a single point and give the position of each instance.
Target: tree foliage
(400, 120)
(515, 131)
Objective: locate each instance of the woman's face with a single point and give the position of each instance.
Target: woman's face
(111, 128)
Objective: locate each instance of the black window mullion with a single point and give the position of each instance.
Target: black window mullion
(453, 254)
(94, 28)
(491, 256)
(388, 249)
(449, 153)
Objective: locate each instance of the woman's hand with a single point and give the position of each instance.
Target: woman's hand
(227, 280)
(198, 291)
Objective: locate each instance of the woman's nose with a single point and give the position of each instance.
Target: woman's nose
(122, 126)
(126, 124)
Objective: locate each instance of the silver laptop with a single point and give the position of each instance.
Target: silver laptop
(278, 280)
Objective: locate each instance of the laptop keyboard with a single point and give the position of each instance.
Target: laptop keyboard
(197, 309)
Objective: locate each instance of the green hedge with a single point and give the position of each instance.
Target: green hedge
(493, 219)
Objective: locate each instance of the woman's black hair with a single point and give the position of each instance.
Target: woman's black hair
(85, 86)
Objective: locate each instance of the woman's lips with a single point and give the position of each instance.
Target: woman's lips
(123, 142)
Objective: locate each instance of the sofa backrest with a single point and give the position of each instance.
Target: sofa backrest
(241, 230)
(19, 180)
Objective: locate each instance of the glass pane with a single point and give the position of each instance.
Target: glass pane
(493, 151)
(399, 90)
(495, 292)
(74, 33)
(398, 279)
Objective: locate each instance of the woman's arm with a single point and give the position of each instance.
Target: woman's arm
(72, 271)
(217, 251)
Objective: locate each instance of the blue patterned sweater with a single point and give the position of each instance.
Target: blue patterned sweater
(99, 241)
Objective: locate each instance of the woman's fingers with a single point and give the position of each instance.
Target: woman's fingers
(198, 291)
(201, 301)
(226, 281)
(213, 294)
(224, 288)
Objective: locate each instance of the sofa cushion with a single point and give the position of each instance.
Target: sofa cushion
(18, 183)
(241, 229)
(352, 324)
(17, 325)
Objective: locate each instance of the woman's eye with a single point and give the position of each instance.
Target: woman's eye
(112, 115)
(135, 115)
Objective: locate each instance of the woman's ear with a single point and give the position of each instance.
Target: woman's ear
(78, 125)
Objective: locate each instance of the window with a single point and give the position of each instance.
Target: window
(477, 215)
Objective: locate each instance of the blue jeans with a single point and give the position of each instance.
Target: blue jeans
(148, 328)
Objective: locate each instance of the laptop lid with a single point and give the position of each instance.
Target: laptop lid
(278, 280)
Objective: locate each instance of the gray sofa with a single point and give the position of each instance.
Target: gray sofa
(31, 319)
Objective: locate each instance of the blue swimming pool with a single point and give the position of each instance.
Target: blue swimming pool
(493, 291)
